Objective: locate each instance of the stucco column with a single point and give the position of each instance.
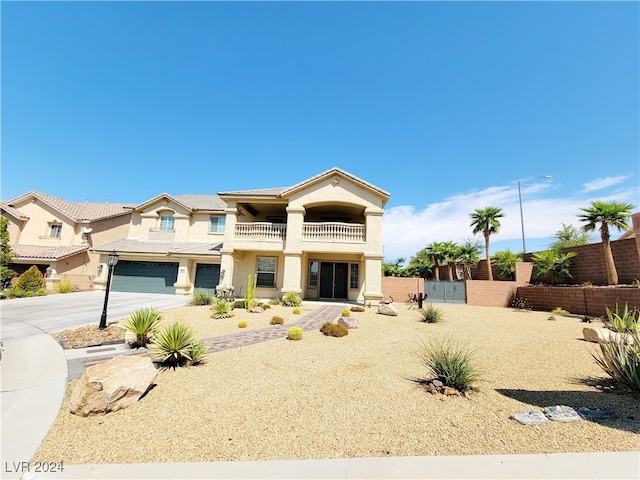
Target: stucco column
(295, 220)
(100, 282)
(292, 279)
(183, 283)
(227, 251)
(226, 268)
(373, 277)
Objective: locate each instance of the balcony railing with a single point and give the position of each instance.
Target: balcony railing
(333, 231)
(261, 231)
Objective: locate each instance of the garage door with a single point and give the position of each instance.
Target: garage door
(207, 277)
(144, 277)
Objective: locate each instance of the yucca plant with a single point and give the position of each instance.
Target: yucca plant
(173, 344)
(625, 321)
(430, 314)
(143, 323)
(452, 364)
(620, 359)
(222, 309)
(201, 297)
(291, 299)
(198, 352)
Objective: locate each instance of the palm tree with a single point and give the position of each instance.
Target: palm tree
(485, 220)
(609, 215)
(450, 252)
(468, 256)
(435, 253)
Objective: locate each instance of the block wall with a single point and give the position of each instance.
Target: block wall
(399, 288)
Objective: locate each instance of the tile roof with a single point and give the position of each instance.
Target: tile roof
(261, 192)
(37, 252)
(125, 245)
(201, 201)
(79, 211)
(14, 212)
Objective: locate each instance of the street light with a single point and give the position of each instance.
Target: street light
(524, 249)
(112, 259)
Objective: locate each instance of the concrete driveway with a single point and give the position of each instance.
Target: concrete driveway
(23, 317)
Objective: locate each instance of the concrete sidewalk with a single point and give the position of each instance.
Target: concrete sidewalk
(619, 465)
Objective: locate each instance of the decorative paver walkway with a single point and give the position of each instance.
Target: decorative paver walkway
(311, 321)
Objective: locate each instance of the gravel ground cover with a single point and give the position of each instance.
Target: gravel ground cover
(359, 395)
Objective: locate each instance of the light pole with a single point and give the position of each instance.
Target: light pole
(112, 259)
(524, 249)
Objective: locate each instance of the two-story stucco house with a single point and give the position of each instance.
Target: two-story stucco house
(56, 235)
(321, 238)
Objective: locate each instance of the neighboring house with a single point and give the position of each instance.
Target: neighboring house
(56, 235)
(321, 238)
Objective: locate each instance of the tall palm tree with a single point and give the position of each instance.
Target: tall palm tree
(435, 254)
(485, 220)
(609, 215)
(450, 252)
(468, 256)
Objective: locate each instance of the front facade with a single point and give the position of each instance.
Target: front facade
(321, 238)
(56, 235)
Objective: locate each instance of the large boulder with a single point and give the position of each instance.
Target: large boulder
(387, 309)
(604, 335)
(112, 385)
(349, 322)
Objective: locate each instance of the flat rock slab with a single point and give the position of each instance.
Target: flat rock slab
(530, 417)
(349, 322)
(597, 413)
(604, 335)
(112, 385)
(561, 413)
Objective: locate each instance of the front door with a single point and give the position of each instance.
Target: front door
(333, 280)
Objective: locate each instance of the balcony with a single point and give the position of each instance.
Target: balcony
(157, 235)
(261, 231)
(333, 232)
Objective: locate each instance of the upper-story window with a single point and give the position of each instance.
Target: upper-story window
(55, 230)
(166, 223)
(216, 224)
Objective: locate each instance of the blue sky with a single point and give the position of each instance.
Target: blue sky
(446, 105)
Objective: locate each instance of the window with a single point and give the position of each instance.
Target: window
(313, 273)
(354, 277)
(166, 223)
(266, 272)
(216, 224)
(55, 230)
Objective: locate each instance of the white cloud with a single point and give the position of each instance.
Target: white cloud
(600, 183)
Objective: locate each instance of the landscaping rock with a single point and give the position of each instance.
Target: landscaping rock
(387, 309)
(594, 334)
(349, 322)
(256, 310)
(112, 385)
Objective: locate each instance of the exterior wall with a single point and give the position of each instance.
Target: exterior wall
(36, 230)
(484, 293)
(14, 228)
(580, 300)
(399, 288)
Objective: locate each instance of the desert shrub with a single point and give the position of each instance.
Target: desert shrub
(174, 344)
(202, 297)
(345, 312)
(222, 309)
(41, 292)
(521, 304)
(31, 280)
(625, 321)
(198, 352)
(334, 329)
(238, 304)
(65, 286)
(559, 311)
(452, 364)
(243, 324)
(620, 359)
(296, 310)
(143, 323)
(275, 301)
(295, 333)
(430, 314)
(291, 299)
(275, 320)
(505, 264)
(357, 308)
(552, 266)
(264, 306)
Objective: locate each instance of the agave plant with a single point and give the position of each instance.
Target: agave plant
(202, 297)
(291, 299)
(222, 309)
(143, 323)
(620, 359)
(174, 344)
(625, 321)
(198, 352)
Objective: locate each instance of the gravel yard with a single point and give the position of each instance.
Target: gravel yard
(357, 396)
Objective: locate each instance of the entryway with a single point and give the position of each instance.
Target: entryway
(333, 280)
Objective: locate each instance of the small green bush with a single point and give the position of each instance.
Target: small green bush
(275, 301)
(275, 320)
(453, 365)
(31, 280)
(334, 329)
(238, 304)
(345, 312)
(430, 314)
(202, 297)
(291, 299)
(625, 321)
(198, 352)
(243, 324)
(173, 344)
(621, 359)
(357, 308)
(143, 323)
(295, 333)
(222, 309)
(41, 292)
(559, 311)
(296, 310)
(65, 286)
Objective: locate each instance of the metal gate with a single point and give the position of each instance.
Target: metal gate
(445, 291)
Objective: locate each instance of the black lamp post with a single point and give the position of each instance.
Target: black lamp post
(112, 259)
